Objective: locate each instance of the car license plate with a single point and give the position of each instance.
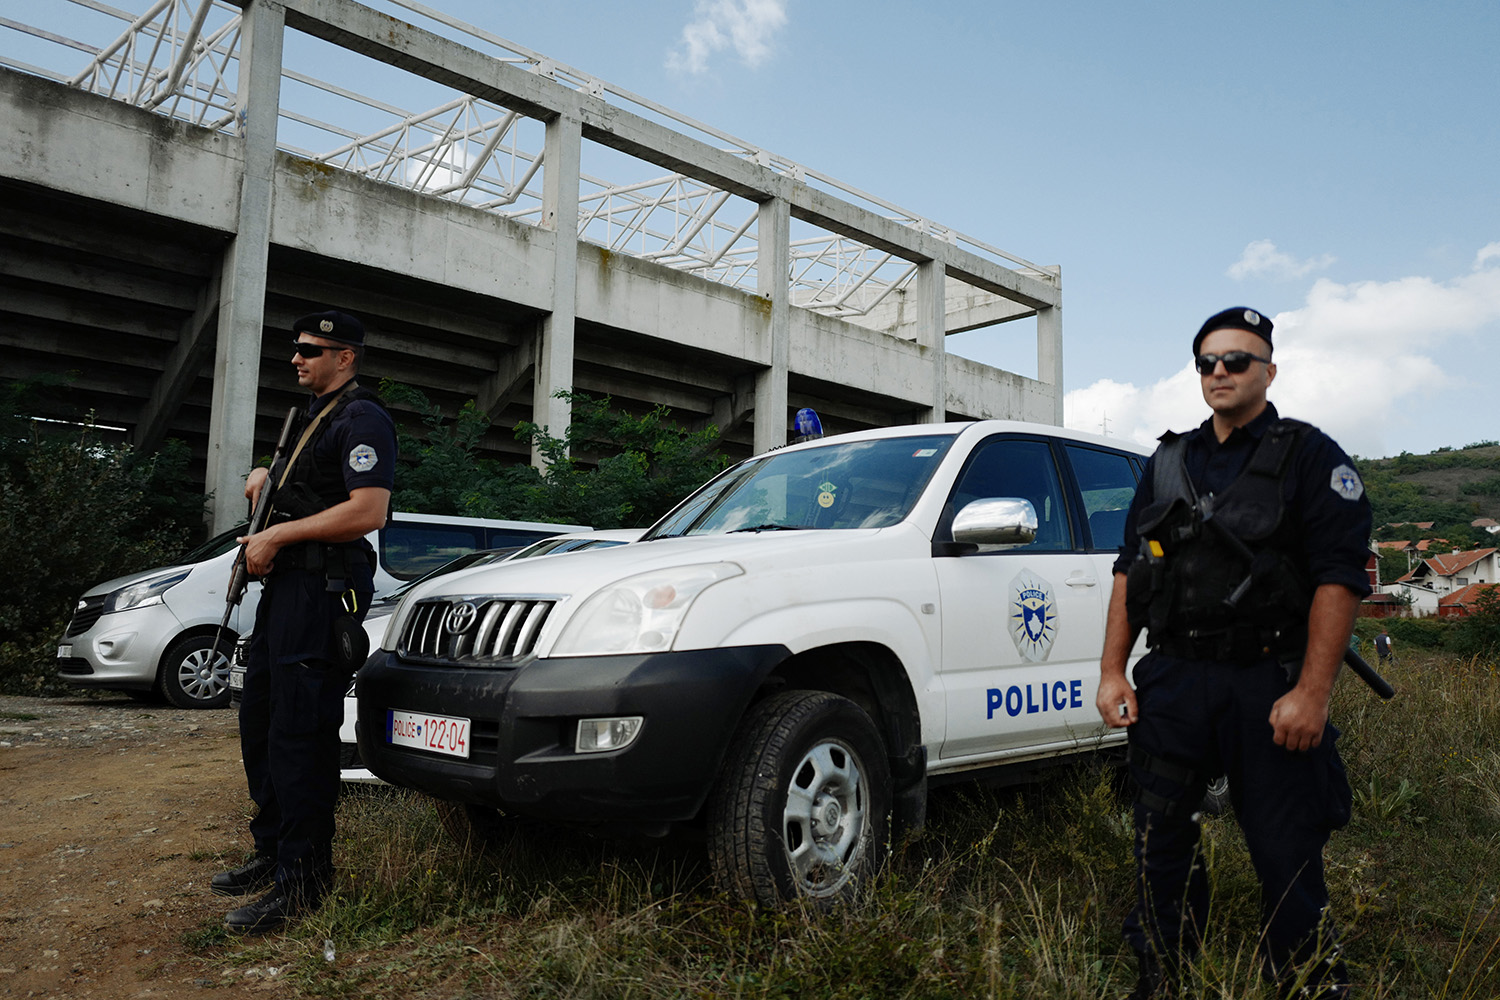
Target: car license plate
(236, 680)
(64, 652)
(434, 733)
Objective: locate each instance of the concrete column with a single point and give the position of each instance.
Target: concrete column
(932, 333)
(554, 344)
(773, 264)
(242, 292)
(1049, 356)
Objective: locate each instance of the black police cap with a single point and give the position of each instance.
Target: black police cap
(1234, 318)
(332, 325)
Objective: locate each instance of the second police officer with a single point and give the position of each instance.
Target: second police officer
(318, 576)
(1244, 558)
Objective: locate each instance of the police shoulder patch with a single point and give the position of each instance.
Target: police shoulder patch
(1346, 483)
(362, 458)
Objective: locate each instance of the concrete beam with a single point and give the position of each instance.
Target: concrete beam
(1049, 357)
(513, 370)
(54, 136)
(554, 355)
(231, 439)
(71, 277)
(187, 360)
(772, 276)
(929, 289)
(430, 55)
(732, 409)
(965, 308)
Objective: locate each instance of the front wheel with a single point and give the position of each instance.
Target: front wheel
(800, 811)
(195, 672)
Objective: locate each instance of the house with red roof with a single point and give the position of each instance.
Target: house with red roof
(1453, 570)
(1439, 575)
(1463, 601)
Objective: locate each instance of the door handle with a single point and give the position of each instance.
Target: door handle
(1080, 580)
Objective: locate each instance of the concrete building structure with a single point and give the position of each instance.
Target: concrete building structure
(167, 210)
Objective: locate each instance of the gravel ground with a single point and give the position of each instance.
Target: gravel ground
(89, 720)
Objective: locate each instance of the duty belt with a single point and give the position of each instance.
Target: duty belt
(1237, 645)
(315, 557)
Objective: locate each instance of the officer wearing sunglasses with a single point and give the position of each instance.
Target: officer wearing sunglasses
(1244, 562)
(317, 574)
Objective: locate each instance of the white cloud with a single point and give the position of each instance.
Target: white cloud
(1353, 359)
(747, 26)
(1261, 259)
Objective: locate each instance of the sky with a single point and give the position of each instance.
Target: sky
(1333, 165)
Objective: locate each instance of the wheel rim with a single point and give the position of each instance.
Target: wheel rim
(203, 674)
(824, 823)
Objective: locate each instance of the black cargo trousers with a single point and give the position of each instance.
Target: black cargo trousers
(290, 713)
(1199, 719)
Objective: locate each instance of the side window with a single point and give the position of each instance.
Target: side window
(500, 538)
(410, 549)
(1008, 467)
(1107, 481)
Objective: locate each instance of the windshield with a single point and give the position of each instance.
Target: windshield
(215, 546)
(860, 484)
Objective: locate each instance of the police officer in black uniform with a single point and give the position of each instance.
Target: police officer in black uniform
(1244, 558)
(317, 573)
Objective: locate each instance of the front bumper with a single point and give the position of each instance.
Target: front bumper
(524, 720)
(120, 651)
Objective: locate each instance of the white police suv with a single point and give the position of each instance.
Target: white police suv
(789, 657)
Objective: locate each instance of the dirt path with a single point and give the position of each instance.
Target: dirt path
(114, 814)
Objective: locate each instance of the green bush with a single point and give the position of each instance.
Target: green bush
(609, 470)
(73, 513)
(1424, 633)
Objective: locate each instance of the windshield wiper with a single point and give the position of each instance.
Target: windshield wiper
(769, 527)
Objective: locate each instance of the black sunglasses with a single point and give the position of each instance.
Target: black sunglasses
(316, 350)
(1235, 362)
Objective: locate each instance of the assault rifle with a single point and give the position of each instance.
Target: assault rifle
(1365, 672)
(239, 577)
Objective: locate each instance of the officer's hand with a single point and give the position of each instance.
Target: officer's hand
(1115, 692)
(260, 551)
(1297, 720)
(255, 482)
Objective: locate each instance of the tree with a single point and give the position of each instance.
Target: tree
(610, 469)
(73, 513)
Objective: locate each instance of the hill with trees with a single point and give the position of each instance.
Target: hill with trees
(1449, 487)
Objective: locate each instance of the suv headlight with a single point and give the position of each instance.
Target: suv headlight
(640, 614)
(142, 593)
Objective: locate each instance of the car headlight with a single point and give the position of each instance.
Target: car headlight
(640, 614)
(142, 593)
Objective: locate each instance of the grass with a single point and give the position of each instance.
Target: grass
(1015, 893)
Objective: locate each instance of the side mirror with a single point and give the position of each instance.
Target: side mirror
(1003, 521)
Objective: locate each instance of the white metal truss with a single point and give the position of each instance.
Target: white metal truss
(180, 58)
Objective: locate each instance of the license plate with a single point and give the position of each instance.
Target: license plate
(236, 680)
(64, 652)
(433, 733)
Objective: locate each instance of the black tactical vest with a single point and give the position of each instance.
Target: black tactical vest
(1218, 577)
(315, 486)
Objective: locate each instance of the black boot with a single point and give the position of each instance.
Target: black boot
(254, 876)
(1156, 981)
(274, 910)
(1151, 984)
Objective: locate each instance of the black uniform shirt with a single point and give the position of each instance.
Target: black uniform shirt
(1323, 494)
(360, 440)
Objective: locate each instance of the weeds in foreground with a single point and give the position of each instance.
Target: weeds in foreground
(1009, 894)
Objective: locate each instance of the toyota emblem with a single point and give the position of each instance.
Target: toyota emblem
(461, 618)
